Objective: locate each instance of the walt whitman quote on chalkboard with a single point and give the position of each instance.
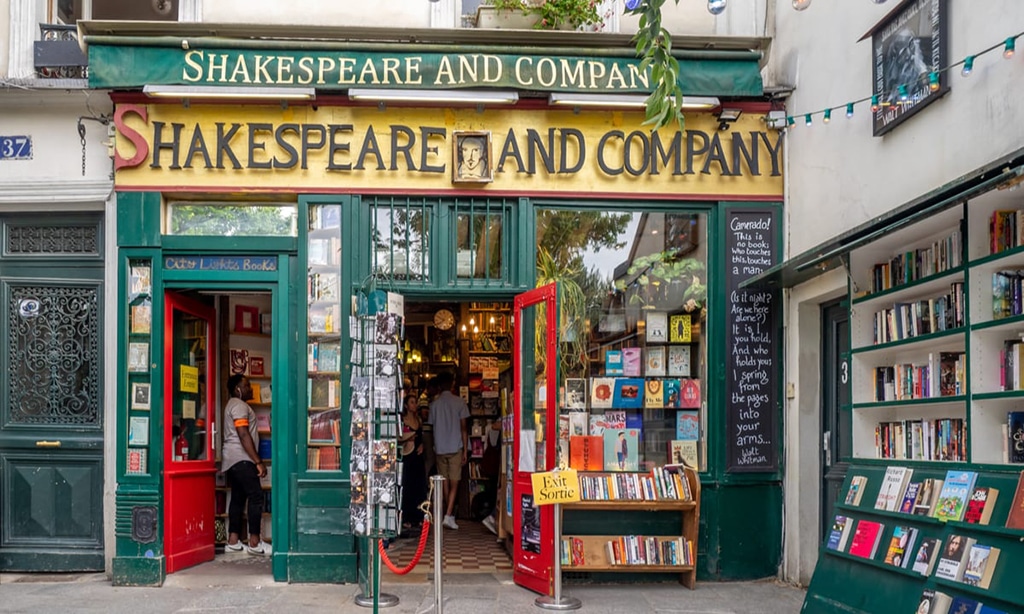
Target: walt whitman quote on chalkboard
(752, 330)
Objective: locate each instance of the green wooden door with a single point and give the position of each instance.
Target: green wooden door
(51, 400)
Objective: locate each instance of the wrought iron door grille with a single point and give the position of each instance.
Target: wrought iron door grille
(52, 240)
(400, 235)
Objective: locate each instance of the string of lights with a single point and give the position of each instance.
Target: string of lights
(1009, 46)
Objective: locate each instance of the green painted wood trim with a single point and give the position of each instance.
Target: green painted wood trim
(138, 571)
(748, 527)
(138, 219)
(322, 568)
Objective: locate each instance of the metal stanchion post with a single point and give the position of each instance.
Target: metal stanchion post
(373, 597)
(438, 481)
(558, 602)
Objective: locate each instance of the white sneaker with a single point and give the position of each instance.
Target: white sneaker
(489, 523)
(235, 547)
(261, 549)
(449, 521)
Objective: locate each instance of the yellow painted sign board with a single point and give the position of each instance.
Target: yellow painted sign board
(189, 379)
(561, 486)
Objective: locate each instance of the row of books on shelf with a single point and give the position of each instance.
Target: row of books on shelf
(1013, 440)
(322, 287)
(1011, 365)
(323, 356)
(941, 439)
(324, 458)
(956, 498)
(651, 361)
(632, 393)
(641, 550)
(942, 255)
(960, 559)
(324, 427)
(923, 317)
(1007, 290)
(943, 375)
(1005, 230)
(937, 602)
(661, 483)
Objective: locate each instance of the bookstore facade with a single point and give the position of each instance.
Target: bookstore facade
(253, 238)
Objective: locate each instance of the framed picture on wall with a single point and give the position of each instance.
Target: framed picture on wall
(471, 157)
(908, 52)
(140, 395)
(256, 366)
(247, 319)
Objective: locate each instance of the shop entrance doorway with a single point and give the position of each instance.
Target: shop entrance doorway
(835, 386)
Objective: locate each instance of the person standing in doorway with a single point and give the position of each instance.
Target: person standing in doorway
(448, 415)
(414, 486)
(428, 395)
(243, 467)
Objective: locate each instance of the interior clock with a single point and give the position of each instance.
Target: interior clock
(444, 319)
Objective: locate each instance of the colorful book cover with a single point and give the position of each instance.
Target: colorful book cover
(1015, 519)
(679, 361)
(900, 546)
(613, 362)
(927, 554)
(956, 489)
(672, 400)
(577, 423)
(981, 563)
(654, 394)
(680, 329)
(615, 419)
(894, 483)
(689, 393)
(586, 453)
(865, 539)
(655, 363)
(840, 533)
(601, 390)
(1015, 443)
(657, 327)
(909, 497)
(927, 496)
(856, 491)
(628, 393)
(681, 451)
(597, 424)
(980, 506)
(687, 425)
(630, 362)
(621, 451)
(950, 565)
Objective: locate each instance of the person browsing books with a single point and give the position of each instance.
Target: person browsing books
(448, 415)
(241, 464)
(429, 394)
(414, 487)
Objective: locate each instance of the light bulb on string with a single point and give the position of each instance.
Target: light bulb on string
(849, 109)
(716, 7)
(903, 95)
(827, 117)
(790, 121)
(874, 103)
(1009, 47)
(968, 66)
(933, 81)
(800, 5)
(807, 119)
(879, 1)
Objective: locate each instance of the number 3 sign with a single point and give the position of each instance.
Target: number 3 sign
(15, 148)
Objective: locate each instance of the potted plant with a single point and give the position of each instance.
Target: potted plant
(538, 14)
(664, 278)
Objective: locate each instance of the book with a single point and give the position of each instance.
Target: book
(656, 327)
(601, 389)
(950, 565)
(980, 506)
(655, 363)
(933, 602)
(962, 605)
(927, 554)
(613, 362)
(689, 393)
(981, 564)
(687, 425)
(987, 609)
(136, 462)
(621, 451)
(575, 393)
(631, 362)
(628, 393)
(683, 451)
(866, 537)
(901, 544)
(840, 533)
(142, 318)
(1015, 518)
(680, 329)
(678, 361)
(927, 496)
(856, 491)
(586, 453)
(1015, 436)
(671, 387)
(956, 489)
(654, 394)
(910, 497)
(577, 423)
(894, 483)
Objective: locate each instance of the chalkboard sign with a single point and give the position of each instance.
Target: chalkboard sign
(753, 361)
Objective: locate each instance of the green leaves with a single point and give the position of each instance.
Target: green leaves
(654, 48)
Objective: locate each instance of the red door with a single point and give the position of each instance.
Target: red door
(189, 412)
(535, 416)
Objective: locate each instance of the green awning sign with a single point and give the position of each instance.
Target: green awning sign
(115, 66)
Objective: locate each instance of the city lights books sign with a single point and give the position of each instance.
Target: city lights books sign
(908, 49)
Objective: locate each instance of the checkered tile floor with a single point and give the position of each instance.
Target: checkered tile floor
(471, 549)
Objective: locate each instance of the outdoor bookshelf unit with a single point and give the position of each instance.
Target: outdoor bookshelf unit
(594, 546)
(932, 322)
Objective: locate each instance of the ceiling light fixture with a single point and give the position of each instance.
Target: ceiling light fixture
(213, 91)
(454, 97)
(624, 101)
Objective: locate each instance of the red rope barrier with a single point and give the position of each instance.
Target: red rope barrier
(416, 557)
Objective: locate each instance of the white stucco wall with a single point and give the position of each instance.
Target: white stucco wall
(389, 13)
(839, 176)
(5, 27)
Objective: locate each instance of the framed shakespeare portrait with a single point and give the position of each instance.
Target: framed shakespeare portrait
(471, 157)
(908, 52)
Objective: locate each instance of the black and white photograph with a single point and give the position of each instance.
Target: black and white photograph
(360, 461)
(140, 395)
(471, 157)
(358, 488)
(382, 488)
(385, 360)
(907, 46)
(360, 394)
(389, 328)
(576, 393)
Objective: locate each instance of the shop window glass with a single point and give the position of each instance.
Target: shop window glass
(632, 330)
(401, 239)
(70, 11)
(232, 219)
(479, 246)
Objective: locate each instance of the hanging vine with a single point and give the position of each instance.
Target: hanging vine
(654, 48)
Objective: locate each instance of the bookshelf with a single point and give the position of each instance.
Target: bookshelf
(323, 364)
(638, 550)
